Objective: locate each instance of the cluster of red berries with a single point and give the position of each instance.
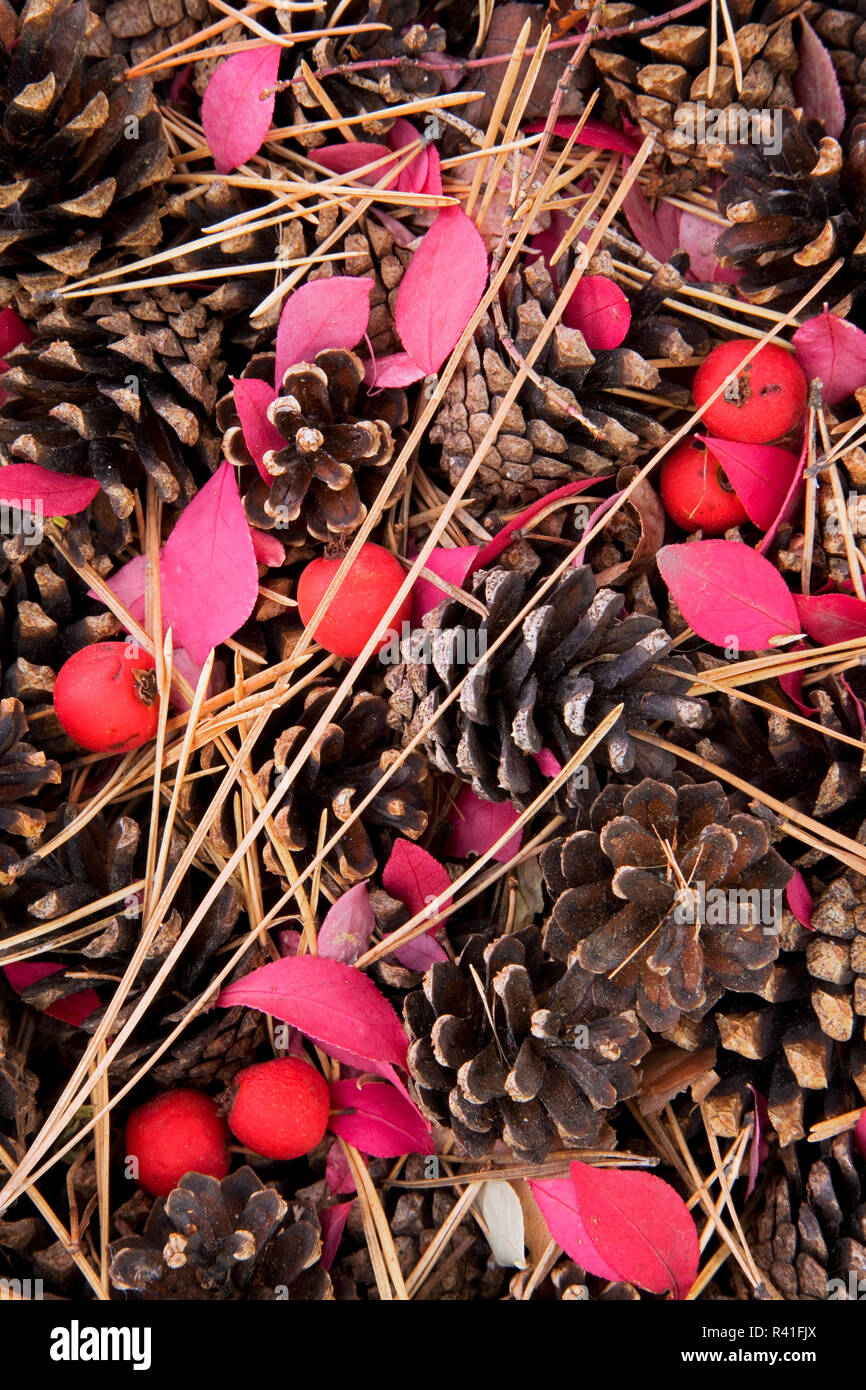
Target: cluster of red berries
(762, 403)
(279, 1109)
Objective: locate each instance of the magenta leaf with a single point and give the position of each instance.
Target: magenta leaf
(833, 351)
(816, 85)
(697, 237)
(830, 618)
(476, 825)
(348, 925)
(252, 396)
(338, 1174)
(346, 157)
(433, 180)
(415, 877)
(441, 288)
(413, 178)
(208, 568)
(332, 1003)
(267, 549)
(234, 117)
(760, 474)
(74, 1009)
(548, 763)
(397, 369)
(727, 592)
(622, 1225)
(502, 540)
(13, 332)
(657, 232)
(333, 1223)
(378, 1120)
(860, 1135)
(799, 900)
(600, 310)
(331, 313)
(128, 583)
(598, 135)
(32, 488)
(759, 1148)
(450, 563)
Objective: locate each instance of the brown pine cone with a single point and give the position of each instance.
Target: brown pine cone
(373, 253)
(129, 381)
(83, 155)
(570, 662)
(836, 955)
(678, 942)
(235, 1239)
(23, 774)
(137, 28)
(842, 28)
(506, 1044)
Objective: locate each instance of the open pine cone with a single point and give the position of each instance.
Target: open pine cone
(23, 773)
(235, 1239)
(629, 910)
(138, 28)
(506, 1044)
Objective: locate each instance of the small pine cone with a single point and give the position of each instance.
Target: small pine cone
(789, 216)
(235, 1239)
(231, 296)
(811, 1228)
(128, 381)
(99, 859)
(577, 424)
(678, 942)
(842, 29)
(19, 1113)
(569, 663)
(23, 773)
(78, 188)
(835, 954)
(374, 254)
(352, 755)
(505, 1044)
(139, 28)
(372, 90)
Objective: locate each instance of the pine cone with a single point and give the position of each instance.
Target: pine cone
(138, 28)
(842, 28)
(505, 1044)
(373, 253)
(235, 1239)
(677, 944)
(836, 956)
(541, 445)
(83, 155)
(129, 381)
(570, 662)
(23, 773)
(231, 295)
(790, 217)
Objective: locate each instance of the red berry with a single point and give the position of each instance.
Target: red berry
(280, 1109)
(175, 1133)
(695, 492)
(764, 402)
(364, 595)
(105, 697)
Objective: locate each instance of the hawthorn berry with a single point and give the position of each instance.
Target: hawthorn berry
(364, 595)
(105, 697)
(763, 402)
(280, 1108)
(696, 492)
(175, 1133)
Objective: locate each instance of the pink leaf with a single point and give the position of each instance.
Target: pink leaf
(267, 549)
(413, 178)
(433, 181)
(333, 1223)
(816, 85)
(128, 583)
(759, 1148)
(657, 232)
(760, 474)
(331, 313)
(800, 900)
(598, 135)
(548, 763)
(348, 925)
(832, 351)
(415, 877)
(600, 310)
(728, 592)
(829, 618)
(13, 332)
(697, 237)
(477, 824)
(860, 1135)
(252, 397)
(33, 488)
(345, 158)
(74, 1009)
(452, 564)
(208, 569)
(234, 118)
(397, 369)
(381, 1122)
(338, 1174)
(332, 1003)
(441, 288)
(622, 1225)
(502, 540)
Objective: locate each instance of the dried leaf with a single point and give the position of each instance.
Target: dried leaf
(760, 474)
(331, 313)
(476, 825)
(833, 351)
(348, 925)
(727, 592)
(252, 396)
(816, 85)
(234, 118)
(799, 900)
(380, 1122)
(42, 490)
(645, 504)
(74, 1009)
(208, 568)
(450, 563)
(600, 310)
(502, 1214)
(829, 618)
(441, 288)
(333, 1223)
(622, 1225)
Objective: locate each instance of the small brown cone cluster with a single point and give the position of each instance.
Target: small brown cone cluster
(234, 1239)
(506, 1044)
(139, 28)
(842, 29)
(836, 957)
(24, 772)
